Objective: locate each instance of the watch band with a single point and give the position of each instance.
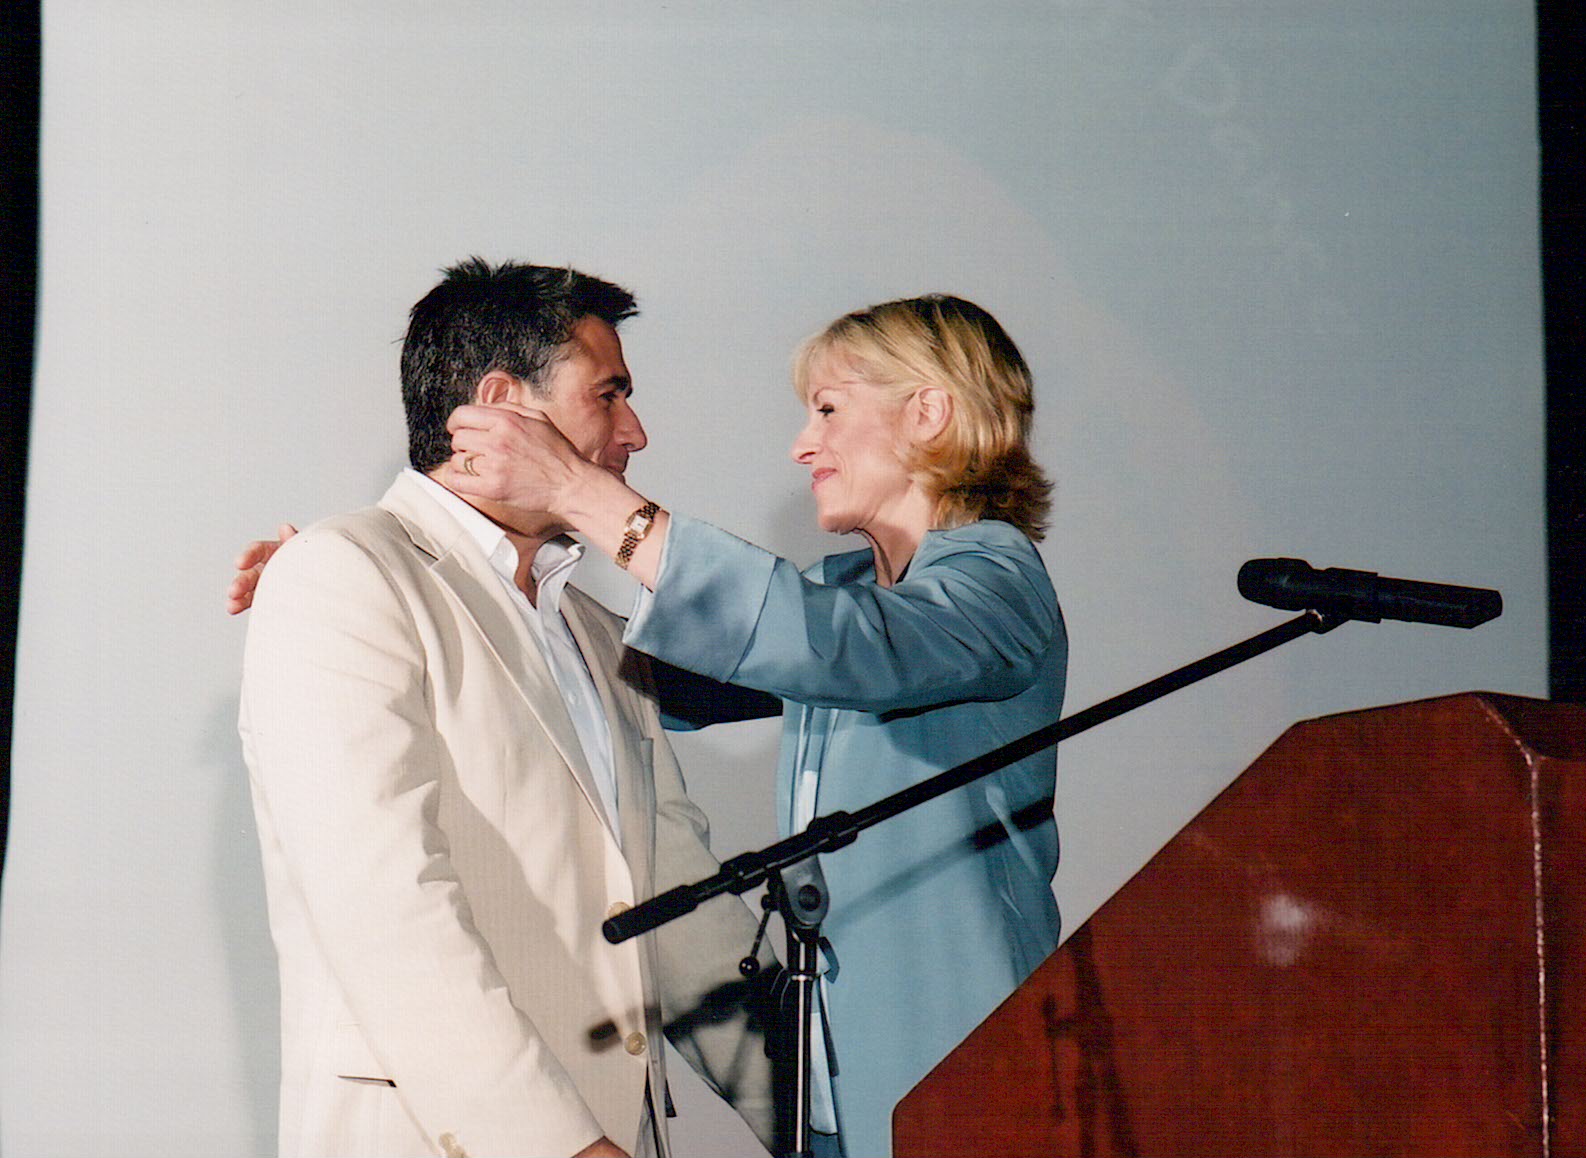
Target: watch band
(634, 531)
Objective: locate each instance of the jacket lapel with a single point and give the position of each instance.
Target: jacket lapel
(629, 754)
(461, 568)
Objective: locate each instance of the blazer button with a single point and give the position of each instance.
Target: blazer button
(450, 1147)
(634, 1043)
(617, 909)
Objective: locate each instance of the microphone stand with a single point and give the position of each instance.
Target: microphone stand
(797, 888)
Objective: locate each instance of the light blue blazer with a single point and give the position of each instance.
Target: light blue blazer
(938, 914)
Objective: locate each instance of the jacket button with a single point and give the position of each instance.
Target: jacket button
(634, 1043)
(617, 909)
(450, 1147)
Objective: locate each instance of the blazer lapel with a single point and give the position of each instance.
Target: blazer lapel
(466, 574)
(630, 753)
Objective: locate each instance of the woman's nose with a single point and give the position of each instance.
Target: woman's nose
(804, 445)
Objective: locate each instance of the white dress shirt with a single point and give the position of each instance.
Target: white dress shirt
(552, 567)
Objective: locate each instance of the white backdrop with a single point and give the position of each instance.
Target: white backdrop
(1274, 265)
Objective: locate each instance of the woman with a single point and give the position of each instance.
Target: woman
(941, 641)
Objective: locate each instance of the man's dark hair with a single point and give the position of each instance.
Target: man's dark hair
(510, 317)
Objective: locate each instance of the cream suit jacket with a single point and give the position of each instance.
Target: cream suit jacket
(438, 864)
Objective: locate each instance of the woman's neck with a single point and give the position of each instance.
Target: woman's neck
(894, 541)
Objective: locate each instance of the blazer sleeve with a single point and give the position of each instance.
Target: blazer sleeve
(345, 762)
(971, 621)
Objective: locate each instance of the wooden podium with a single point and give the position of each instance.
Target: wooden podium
(1372, 943)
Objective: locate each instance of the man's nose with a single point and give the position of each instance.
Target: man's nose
(630, 431)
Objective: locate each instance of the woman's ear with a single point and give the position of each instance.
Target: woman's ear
(928, 412)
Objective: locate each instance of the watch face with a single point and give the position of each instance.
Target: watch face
(639, 522)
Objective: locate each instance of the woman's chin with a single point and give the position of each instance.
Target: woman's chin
(834, 524)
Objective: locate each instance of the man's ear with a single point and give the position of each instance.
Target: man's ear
(927, 413)
(497, 387)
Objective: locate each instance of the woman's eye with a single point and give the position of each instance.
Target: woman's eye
(825, 409)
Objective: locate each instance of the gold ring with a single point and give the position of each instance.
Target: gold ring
(468, 465)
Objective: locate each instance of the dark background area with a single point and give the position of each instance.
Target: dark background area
(1561, 53)
(1561, 39)
(19, 247)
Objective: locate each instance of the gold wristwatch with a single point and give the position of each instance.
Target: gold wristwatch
(634, 531)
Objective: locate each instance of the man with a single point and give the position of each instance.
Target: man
(454, 788)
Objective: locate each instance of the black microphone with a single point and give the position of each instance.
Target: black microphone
(1294, 585)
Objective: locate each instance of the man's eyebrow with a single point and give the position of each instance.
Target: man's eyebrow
(620, 381)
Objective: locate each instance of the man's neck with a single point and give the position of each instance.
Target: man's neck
(527, 531)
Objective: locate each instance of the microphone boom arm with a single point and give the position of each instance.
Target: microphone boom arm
(836, 829)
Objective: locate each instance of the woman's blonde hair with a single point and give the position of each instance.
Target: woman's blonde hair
(979, 467)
